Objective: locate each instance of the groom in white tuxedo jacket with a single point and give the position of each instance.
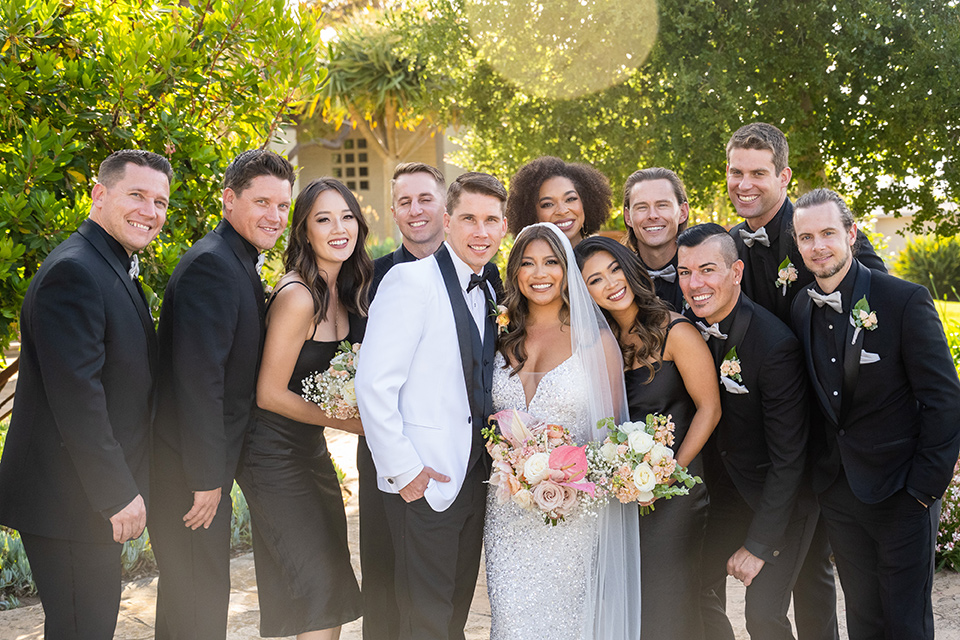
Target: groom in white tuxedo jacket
(424, 390)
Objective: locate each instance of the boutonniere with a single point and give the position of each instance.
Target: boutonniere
(786, 274)
(861, 317)
(499, 314)
(730, 373)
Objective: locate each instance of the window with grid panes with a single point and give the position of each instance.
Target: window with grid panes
(351, 165)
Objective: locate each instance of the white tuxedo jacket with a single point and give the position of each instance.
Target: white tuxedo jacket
(410, 384)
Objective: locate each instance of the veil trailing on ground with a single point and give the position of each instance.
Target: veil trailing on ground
(613, 596)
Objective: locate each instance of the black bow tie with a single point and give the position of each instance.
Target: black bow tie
(476, 280)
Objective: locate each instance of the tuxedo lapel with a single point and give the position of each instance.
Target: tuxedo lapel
(132, 289)
(739, 327)
(852, 348)
(236, 243)
(805, 316)
(467, 335)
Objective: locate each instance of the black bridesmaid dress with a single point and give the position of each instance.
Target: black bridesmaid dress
(305, 581)
(671, 537)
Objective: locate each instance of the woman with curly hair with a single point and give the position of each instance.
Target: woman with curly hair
(668, 370)
(306, 584)
(574, 196)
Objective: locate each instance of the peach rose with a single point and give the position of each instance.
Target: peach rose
(548, 495)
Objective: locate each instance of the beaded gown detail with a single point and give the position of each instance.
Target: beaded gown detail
(536, 573)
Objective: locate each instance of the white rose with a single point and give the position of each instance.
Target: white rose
(640, 441)
(644, 477)
(658, 452)
(645, 496)
(523, 498)
(630, 427)
(609, 451)
(349, 393)
(536, 467)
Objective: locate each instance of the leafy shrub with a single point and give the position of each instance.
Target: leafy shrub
(934, 262)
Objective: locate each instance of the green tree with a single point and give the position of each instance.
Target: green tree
(197, 82)
(865, 90)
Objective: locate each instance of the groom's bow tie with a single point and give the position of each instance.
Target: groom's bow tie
(476, 280)
(750, 238)
(668, 273)
(712, 330)
(832, 300)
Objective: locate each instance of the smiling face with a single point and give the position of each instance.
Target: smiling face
(654, 213)
(475, 228)
(559, 203)
(540, 277)
(134, 209)
(825, 245)
(418, 207)
(331, 230)
(710, 286)
(259, 212)
(607, 282)
(755, 188)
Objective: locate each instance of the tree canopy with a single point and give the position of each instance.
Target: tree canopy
(196, 82)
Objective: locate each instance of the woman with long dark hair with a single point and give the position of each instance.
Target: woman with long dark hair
(573, 196)
(306, 584)
(668, 370)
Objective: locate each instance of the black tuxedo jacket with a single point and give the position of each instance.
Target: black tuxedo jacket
(211, 337)
(761, 264)
(899, 420)
(77, 450)
(761, 439)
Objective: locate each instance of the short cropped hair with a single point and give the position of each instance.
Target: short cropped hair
(763, 136)
(253, 164)
(406, 168)
(592, 186)
(645, 175)
(823, 196)
(697, 235)
(114, 166)
(476, 182)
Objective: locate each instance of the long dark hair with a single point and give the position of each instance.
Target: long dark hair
(356, 274)
(512, 344)
(650, 323)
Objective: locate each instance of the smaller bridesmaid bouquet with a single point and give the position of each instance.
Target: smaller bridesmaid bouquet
(333, 389)
(637, 463)
(537, 466)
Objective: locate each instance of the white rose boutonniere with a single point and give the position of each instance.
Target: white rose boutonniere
(786, 275)
(861, 317)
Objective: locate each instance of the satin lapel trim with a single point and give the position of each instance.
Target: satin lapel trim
(142, 310)
(739, 327)
(235, 242)
(464, 322)
(851, 353)
(806, 320)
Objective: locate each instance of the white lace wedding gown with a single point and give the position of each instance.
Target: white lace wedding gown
(536, 573)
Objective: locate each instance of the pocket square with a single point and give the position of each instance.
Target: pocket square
(866, 357)
(732, 387)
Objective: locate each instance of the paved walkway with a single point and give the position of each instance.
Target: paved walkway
(137, 607)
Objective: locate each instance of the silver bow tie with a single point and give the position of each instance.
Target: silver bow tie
(260, 260)
(750, 238)
(832, 300)
(712, 330)
(668, 273)
(134, 270)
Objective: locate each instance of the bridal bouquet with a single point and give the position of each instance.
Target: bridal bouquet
(636, 462)
(333, 389)
(537, 466)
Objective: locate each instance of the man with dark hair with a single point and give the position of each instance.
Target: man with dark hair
(430, 335)
(655, 209)
(890, 434)
(74, 474)
(762, 515)
(211, 336)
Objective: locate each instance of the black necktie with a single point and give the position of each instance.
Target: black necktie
(476, 280)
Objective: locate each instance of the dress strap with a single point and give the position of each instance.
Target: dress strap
(281, 288)
(666, 333)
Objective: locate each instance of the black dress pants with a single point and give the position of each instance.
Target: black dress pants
(78, 584)
(437, 559)
(193, 591)
(381, 620)
(885, 559)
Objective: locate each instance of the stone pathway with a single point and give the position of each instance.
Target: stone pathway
(137, 606)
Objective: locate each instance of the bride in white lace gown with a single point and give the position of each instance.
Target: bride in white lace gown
(579, 579)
